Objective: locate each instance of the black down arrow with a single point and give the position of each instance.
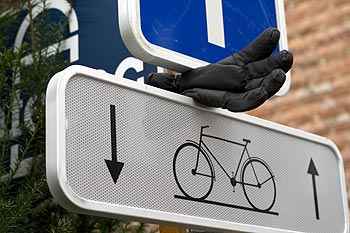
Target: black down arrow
(113, 165)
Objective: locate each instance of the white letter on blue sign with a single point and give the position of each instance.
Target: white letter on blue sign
(215, 22)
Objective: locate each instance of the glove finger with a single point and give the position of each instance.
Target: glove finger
(258, 49)
(240, 102)
(283, 60)
(271, 82)
(208, 97)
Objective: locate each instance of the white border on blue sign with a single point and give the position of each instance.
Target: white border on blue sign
(137, 44)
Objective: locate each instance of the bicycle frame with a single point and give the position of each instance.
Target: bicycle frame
(203, 145)
(202, 150)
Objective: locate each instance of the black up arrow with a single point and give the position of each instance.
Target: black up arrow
(313, 172)
(113, 165)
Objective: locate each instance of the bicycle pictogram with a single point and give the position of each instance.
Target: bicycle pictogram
(194, 173)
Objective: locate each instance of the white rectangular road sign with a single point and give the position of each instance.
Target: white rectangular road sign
(123, 149)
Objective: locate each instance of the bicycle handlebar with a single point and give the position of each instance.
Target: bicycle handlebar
(203, 127)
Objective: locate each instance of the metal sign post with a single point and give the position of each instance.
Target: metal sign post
(122, 149)
(184, 34)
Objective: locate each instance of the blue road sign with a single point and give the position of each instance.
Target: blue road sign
(202, 30)
(187, 26)
(184, 34)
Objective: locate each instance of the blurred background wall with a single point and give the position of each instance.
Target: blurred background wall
(319, 99)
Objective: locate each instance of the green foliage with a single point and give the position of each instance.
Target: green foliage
(26, 204)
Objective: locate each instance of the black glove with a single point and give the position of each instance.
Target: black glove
(240, 82)
(239, 102)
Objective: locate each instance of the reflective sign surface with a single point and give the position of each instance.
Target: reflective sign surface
(118, 148)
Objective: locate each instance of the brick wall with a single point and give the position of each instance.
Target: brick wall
(319, 98)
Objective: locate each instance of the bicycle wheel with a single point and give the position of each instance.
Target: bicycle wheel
(258, 184)
(193, 182)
